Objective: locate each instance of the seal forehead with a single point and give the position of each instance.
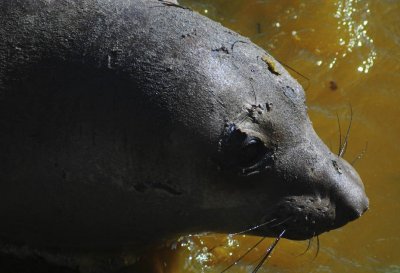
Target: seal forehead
(254, 86)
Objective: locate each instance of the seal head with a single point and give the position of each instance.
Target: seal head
(128, 122)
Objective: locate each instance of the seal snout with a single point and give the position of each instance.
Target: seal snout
(325, 191)
(344, 189)
(349, 195)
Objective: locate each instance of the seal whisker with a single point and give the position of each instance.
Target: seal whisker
(340, 134)
(253, 228)
(308, 247)
(269, 251)
(244, 254)
(247, 230)
(282, 222)
(346, 139)
(316, 253)
(297, 72)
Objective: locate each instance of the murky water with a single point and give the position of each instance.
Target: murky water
(348, 52)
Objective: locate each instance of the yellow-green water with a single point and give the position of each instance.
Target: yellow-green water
(350, 52)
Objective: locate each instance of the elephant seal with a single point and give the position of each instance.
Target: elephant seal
(128, 122)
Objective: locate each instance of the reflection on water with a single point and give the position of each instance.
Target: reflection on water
(348, 51)
(353, 19)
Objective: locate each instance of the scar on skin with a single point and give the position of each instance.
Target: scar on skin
(271, 64)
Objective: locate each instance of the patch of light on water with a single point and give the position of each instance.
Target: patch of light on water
(231, 242)
(353, 17)
(202, 257)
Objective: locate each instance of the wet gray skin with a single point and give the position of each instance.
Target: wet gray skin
(128, 122)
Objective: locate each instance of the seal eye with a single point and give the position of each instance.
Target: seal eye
(243, 153)
(252, 151)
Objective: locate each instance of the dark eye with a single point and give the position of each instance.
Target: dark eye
(243, 153)
(252, 151)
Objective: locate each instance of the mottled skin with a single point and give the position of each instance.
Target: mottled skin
(130, 121)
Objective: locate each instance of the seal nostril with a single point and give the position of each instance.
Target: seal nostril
(349, 195)
(350, 209)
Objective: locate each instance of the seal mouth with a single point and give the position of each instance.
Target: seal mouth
(303, 217)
